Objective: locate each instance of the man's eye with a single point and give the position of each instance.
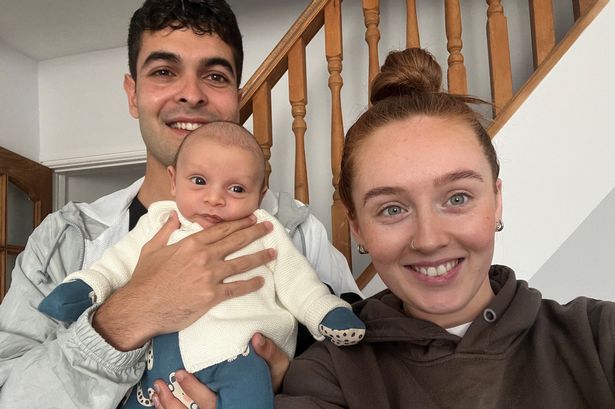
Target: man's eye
(237, 189)
(215, 77)
(197, 180)
(162, 73)
(393, 210)
(458, 199)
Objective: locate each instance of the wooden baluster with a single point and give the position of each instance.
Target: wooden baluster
(334, 51)
(499, 56)
(371, 13)
(543, 33)
(297, 84)
(261, 124)
(580, 7)
(412, 26)
(456, 74)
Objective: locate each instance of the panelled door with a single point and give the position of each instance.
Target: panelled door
(25, 200)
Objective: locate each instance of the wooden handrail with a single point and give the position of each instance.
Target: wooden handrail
(547, 65)
(276, 63)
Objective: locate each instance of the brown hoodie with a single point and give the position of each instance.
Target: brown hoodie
(525, 352)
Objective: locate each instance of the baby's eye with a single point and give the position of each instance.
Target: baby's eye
(392, 210)
(197, 180)
(458, 199)
(237, 189)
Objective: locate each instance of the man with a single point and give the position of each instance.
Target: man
(185, 60)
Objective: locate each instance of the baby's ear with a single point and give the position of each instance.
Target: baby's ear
(171, 173)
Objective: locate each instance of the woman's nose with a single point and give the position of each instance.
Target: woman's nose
(430, 233)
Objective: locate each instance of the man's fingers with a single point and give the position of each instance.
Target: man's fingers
(242, 264)
(238, 288)
(233, 235)
(277, 360)
(161, 237)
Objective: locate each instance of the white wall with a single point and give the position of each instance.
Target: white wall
(19, 103)
(84, 110)
(558, 164)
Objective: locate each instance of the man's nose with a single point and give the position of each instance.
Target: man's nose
(192, 91)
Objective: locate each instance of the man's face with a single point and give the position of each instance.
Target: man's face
(183, 81)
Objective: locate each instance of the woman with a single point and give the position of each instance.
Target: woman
(420, 184)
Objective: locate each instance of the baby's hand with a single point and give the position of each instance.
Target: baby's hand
(342, 327)
(67, 301)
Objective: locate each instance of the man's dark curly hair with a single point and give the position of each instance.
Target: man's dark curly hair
(201, 16)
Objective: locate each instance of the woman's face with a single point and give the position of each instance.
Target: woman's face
(426, 208)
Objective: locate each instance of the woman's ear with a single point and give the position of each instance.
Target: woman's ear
(354, 228)
(498, 199)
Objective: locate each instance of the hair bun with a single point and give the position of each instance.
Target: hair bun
(406, 72)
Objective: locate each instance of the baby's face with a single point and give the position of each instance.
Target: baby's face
(214, 182)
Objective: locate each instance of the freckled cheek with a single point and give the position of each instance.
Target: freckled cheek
(385, 247)
(479, 236)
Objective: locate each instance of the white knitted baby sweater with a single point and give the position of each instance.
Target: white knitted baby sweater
(292, 291)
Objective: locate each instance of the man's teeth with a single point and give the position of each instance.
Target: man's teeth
(188, 126)
(437, 270)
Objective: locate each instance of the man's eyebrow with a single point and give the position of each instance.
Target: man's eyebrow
(161, 56)
(221, 61)
(379, 191)
(457, 175)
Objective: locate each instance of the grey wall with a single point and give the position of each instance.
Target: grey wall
(585, 263)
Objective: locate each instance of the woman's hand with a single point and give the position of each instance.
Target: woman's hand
(201, 395)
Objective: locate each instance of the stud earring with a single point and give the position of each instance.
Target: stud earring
(499, 226)
(361, 249)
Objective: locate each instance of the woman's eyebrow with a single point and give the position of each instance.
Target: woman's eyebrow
(457, 175)
(379, 191)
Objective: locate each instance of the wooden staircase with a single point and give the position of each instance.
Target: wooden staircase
(289, 56)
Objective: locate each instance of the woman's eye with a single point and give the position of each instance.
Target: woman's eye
(458, 199)
(237, 189)
(197, 180)
(392, 210)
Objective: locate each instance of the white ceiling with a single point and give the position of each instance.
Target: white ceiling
(44, 29)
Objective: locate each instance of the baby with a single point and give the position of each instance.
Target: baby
(218, 175)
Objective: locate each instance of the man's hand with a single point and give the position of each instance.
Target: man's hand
(195, 391)
(172, 286)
